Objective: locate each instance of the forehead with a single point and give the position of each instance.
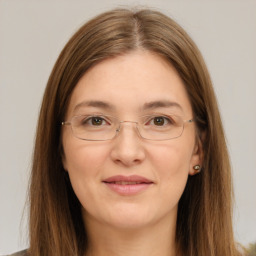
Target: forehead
(129, 82)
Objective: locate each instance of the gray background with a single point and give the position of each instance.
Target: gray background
(32, 33)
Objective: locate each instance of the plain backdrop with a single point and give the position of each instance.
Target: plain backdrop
(32, 34)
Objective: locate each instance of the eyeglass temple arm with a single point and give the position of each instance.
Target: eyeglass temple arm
(65, 123)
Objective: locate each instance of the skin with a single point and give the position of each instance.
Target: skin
(144, 223)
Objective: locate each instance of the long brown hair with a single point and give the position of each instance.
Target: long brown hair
(204, 224)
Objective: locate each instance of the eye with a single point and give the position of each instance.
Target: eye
(160, 121)
(97, 120)
(93, 121)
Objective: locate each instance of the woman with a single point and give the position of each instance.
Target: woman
(130, 155)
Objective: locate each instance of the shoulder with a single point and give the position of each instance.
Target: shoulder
(21, 253)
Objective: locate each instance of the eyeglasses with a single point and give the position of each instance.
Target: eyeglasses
(105, 127)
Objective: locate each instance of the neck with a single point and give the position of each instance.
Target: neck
(154, 240)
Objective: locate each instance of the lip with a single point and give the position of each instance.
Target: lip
(127, 185)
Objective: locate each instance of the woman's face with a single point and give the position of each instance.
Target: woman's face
(130, 182)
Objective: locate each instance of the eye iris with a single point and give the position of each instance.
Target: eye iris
(96, 121)
(159, 121)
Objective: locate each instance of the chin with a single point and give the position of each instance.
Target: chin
(131, 218)
(130, 223)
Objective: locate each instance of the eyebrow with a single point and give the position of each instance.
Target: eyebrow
(161, 104)
(94, 103)
(147, 106)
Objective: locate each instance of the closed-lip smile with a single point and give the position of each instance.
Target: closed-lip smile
(127, 185)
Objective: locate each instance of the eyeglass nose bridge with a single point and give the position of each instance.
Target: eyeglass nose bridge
(133, 122)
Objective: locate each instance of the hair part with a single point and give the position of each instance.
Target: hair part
(204, 224)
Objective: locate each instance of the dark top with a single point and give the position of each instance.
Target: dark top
(21, 253)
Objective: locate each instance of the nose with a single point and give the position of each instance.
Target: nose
(127, 146)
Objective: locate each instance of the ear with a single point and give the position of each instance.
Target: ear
(196, 162)
(63, 159)
(64, 163)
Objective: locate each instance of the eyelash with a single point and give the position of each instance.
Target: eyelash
(167, 120)
(89, 119)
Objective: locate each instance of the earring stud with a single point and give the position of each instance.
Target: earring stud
(197, 168)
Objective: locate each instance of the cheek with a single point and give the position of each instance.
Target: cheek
(172, 159)
(84, 158)
(172, 168)
(84, 164)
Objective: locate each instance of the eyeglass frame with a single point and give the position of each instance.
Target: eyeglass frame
(125, 121)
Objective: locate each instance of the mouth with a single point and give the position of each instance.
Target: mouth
(127, 185)
(127, 182)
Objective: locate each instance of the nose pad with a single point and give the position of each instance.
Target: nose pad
(118, 130)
